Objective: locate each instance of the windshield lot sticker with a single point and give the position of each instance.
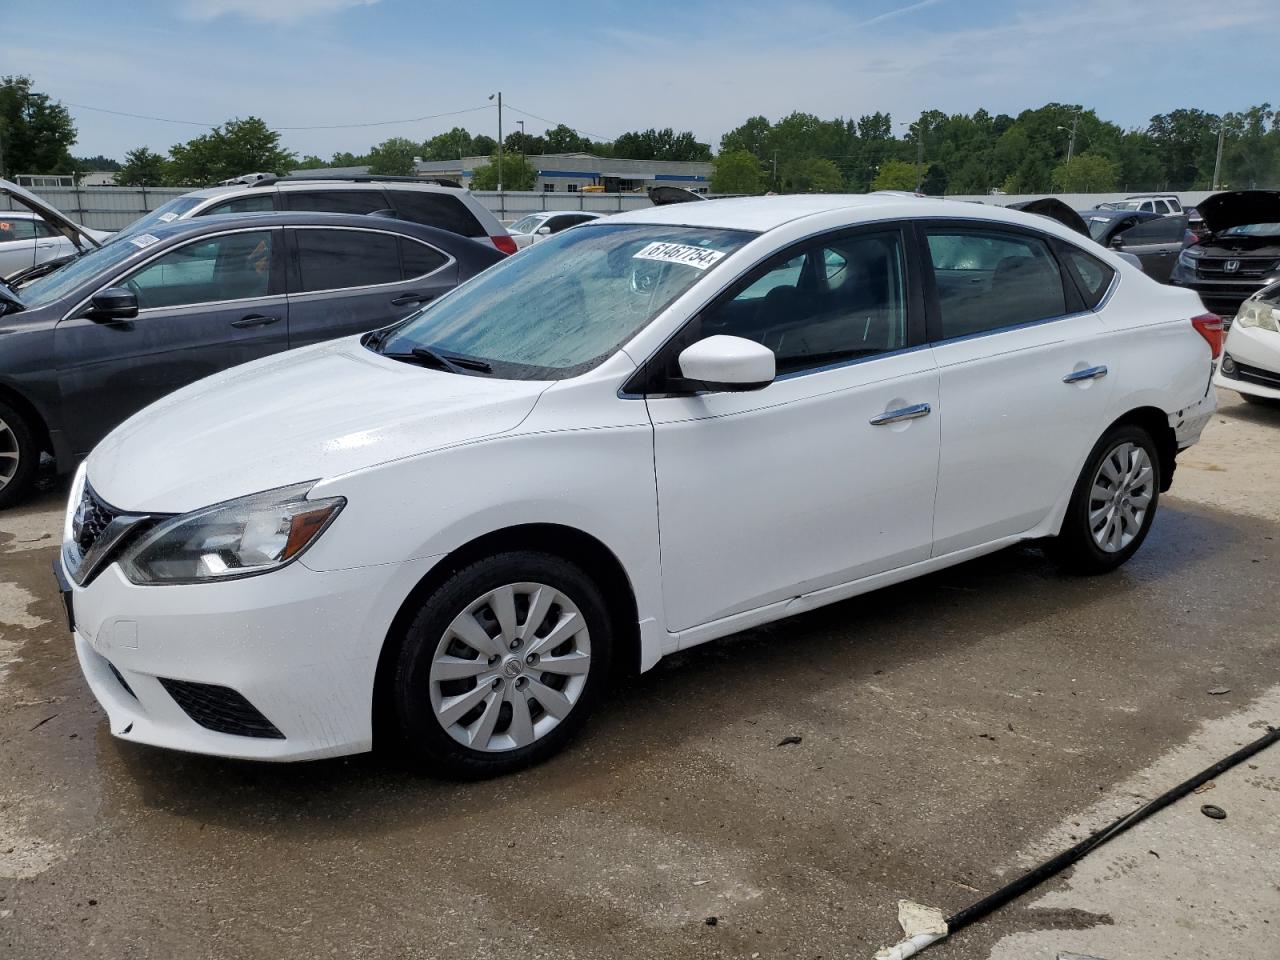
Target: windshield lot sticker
(698, 257)
(167, 217)
(143, 240)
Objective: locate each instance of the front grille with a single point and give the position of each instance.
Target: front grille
(220, 709)
(1263, 378)
(1251, 268)
(91, 519)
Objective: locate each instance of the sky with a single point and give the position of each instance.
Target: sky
(607, 66)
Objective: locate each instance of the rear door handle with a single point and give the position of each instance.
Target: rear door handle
(254, 320)
(913, 412)
(404, 298)
(1088, 373)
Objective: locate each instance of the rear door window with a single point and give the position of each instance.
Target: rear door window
(988, 280)
(336, 201)
(418, 259)
(16, 229)
(341, 259)
(440, 210)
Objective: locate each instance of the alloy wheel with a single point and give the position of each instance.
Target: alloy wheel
(1120, 496)
(510, 667)
(10, 454)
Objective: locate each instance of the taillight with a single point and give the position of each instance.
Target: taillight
(1209, 326)
(507, 245)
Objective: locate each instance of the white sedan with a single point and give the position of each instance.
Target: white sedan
(27, 240)
(1251, 361)
(538, 226)
(639, 435)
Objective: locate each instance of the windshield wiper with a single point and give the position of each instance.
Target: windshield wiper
(429, 358)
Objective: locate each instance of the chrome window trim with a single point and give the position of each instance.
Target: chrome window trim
(115, 281)
(449, 260)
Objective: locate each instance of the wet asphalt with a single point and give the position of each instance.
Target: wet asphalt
(946, 726)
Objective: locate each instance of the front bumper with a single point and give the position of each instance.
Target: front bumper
(1220, 297)
(300, 646)
(1256, 356)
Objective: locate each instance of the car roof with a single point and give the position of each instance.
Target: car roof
(18, 215)
(302, 218)
(761, 214)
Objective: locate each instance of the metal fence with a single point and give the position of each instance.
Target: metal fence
(112, 208)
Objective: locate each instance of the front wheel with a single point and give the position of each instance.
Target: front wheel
(19, 456)
(502, 664)
(1113, 504)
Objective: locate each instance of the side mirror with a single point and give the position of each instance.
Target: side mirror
(544, 231)
(113, 303)
(728, 364)
(1117, 242)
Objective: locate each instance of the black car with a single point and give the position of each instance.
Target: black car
(87, 345)
(1238, 254)
(1155, 239)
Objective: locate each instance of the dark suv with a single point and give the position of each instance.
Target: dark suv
(122, 325)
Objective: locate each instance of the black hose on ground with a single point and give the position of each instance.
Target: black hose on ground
(1034, 877)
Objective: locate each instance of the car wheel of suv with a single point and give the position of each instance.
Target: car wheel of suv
(502, 664)
(19, 456)
(1113, 504)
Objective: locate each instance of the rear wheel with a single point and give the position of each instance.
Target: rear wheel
(19, 456)
(502, 664)
(1113, 504)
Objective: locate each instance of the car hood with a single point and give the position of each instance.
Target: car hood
(307, 414)
(1222, 211)
(82, 238)
(1054, 209)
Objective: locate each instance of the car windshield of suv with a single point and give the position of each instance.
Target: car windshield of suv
(53, 286)
(1253, 230)
(158, 217)
(527, 225)
(563, 306)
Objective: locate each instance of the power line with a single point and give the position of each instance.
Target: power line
(581, 133)
(330, 126)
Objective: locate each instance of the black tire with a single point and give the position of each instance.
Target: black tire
(1074, 548)
(423, 735)
(16, 436)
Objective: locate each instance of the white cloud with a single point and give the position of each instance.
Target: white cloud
(270, 11)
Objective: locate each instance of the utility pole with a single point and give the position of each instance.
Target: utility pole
(522, 143)
(1071, 143)
(919, 158)
(1217, 163)
(775, 169)
(499, 96)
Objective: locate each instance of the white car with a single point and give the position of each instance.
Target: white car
(27, 240)
(637, 436)
(538, 226)
(1251, 359)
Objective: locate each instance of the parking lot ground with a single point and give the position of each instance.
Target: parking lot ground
(953, 730)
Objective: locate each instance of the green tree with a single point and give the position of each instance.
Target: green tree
(562, 139)
(394, 157)
(36, 134)
(454, 145)
(143, 168)
(345, 158)
(311, 162)
(895, 175)
(1086, 173)
(483, 145)
(98, 162)
(811, 175)
(664, 144)
(752, 136)
(736, 171)
(517, 173)
(236, 148)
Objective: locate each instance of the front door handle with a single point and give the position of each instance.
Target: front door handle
(913, 412)
(1088, 373)
(404, 298)
(253, 320)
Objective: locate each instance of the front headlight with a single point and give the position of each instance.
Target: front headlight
(1256, 313)
(239, 538)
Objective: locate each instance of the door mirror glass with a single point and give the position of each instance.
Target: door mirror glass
(728, 363)
(544, 231)
(114, 303)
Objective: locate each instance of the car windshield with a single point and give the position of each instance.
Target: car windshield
(564, 305)
(161, 215)
(1098, 227)
(53, 286)
(527, 225)
(1253, 230)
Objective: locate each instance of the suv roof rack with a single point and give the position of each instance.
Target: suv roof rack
(355, 178)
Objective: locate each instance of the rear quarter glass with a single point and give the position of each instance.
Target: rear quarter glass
(440, 210)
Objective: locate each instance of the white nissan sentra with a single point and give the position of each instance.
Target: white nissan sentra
(639, 435)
